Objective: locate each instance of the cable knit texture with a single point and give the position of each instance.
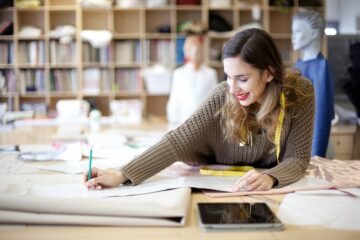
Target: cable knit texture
(200, 141)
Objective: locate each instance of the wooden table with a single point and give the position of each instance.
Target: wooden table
(191, 230)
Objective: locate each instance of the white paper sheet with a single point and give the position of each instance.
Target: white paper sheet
(355, 192)
(304, 184)
(76, 190)
(338, 212)
(168, 208)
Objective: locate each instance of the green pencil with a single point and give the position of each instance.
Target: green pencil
(90, 161)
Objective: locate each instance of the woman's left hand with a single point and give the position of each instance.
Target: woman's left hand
(254, 181)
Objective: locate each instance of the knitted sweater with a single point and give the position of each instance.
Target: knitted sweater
(200, 140)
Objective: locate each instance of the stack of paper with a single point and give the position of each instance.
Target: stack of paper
(168, 208)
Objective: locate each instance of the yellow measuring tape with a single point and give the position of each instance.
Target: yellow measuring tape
(279, 126)
(218, 170)
(226, 171)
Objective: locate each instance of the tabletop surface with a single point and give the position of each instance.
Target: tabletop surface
(191, 230)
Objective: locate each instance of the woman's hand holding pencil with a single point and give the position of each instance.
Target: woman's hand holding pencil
(103, 179)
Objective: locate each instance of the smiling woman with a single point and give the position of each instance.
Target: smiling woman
(258, 110)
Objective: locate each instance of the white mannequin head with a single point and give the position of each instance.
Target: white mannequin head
(307, 30)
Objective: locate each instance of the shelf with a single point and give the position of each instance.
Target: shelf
(63, 66)
(121, 36)
(6, 37)
(40, 38)
(95, 9)
(96, 65)
(154, 36)
(61, 3)
(221, 8)
(167, 8)
(31, 66)
(248, 8)
(121, 9)
(130, 65)
(30, 9)
(6, 66)
(70, 71)
(62, 94)
(32, 95)
(281, 9)
(8, 94)
(97, 95)
(61, 8)
(128, 93)
(188, 8)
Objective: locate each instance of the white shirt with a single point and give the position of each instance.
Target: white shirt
(188, 90)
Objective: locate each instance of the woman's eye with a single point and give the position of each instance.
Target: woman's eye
(242, 80)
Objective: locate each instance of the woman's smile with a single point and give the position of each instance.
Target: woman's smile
(242, 96)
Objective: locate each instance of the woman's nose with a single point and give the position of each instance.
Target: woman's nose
(233, 85)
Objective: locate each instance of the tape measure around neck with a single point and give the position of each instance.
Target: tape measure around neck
(279, 126)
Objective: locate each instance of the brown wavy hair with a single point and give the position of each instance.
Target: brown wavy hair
(257, 48)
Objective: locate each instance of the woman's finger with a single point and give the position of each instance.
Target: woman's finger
(245, 177)
(255, 184)
(246, 180)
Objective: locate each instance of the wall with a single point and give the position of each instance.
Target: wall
(345, 12)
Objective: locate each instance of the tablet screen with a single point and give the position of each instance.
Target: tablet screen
(244, 215)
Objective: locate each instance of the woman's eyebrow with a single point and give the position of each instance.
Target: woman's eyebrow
(240, 75)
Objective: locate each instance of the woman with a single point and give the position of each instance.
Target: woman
(191, 83)
(238, 122)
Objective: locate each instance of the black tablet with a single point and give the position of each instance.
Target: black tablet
(238, 216)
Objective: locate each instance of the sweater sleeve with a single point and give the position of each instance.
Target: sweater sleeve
(186, 143)
(296, 148)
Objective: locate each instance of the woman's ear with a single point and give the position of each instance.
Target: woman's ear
(269, 74)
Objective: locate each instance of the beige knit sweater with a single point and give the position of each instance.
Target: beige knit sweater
(200, 140)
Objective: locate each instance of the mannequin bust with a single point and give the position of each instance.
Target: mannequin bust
(191, 83)
(307, 31)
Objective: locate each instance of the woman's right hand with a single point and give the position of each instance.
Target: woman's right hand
(103, 179)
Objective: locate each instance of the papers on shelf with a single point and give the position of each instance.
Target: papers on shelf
(69, 152)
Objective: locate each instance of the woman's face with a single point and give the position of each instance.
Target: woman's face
(246, 83)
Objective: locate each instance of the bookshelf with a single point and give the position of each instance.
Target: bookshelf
(40, 70)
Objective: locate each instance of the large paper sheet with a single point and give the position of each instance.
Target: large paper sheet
(168, 208)
(304, 184)
(76, 190)
(70, 186)
(329, 211)
(15, 217)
